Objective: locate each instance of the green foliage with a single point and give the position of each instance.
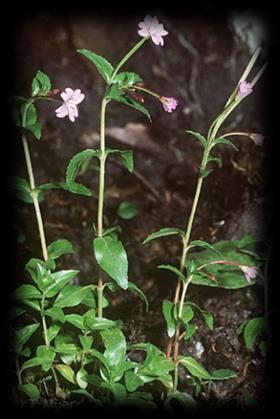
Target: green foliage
(167, 309)
(115, 93)
(167, 231)
(111, 257)
(174, 270)
(31, 390)
(41, 84)
(103, 66)
(73, 170)
(126, 210)
(198, 136)
(245, 252)
(67, 372)
(126, 79)
(252, 329)
(194, 367)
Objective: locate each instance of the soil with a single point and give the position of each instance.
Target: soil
(199, 65)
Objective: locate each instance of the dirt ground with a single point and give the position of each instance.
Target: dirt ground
(200, 63)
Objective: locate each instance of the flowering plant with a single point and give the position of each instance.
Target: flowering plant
(83, 352)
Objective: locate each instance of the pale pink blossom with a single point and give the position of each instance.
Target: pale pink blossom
(257, 138)
(71, 99)
(169, 103)
(250, 272)
(151, 28)
(244, 89)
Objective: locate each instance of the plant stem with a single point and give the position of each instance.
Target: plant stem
(18, 371)
(47, 342)
(127, 56)
(34, 194)
(102, 159)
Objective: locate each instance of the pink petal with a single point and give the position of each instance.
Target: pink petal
(67, 93)
(158, 40)
(77, 97)
(73, 112)
(62, 111)
(144, 32)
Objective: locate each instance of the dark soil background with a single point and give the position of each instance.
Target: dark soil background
(202, 59)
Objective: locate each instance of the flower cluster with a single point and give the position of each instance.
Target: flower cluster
(151, 28)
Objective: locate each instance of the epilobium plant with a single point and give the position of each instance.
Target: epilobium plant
(80, 351)
(227, 264)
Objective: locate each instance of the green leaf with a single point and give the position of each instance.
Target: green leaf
(111, 257)
(127, 210)
(24, 292)
(103, 66)
(198, 136)
(126, 157)
(30, 363)
(23, 335)
(61, 278)
(223, 374)
(59, 247)
(187, 314)
(22, 189)
(55, 313)
(88, 318)
(75, 319)
(167, 309)
(15, 312)
(126, 79)
(190, 330)
(66, 372)
(31, 390)
(32, 303)
(64, 344)
(132, 287)
(194, 367)
(53, 331)
(174, 270)
(205, 245)
(41, 84)
(209, 319)
(81, 378)
(204, 173)
(36, 130)
(86, 342)
(132, 381)
(30, 114)
(71, 295)
(185, 400)
(73, 170)
(46, 354)
(100, 323)
(252, 330)
(116, 94)
(215, 160)
(115, 344)
(222, 275)
(222, 140)
(167, 231)
(85, 393)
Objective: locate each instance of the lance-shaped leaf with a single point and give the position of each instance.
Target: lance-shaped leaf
(215, 160)
(167, 231)
(111, 257)
(206, 315)
(253, 328)
(59, 247)
(222, 140)
(115, 93)
(73, 169)
(198, 136)
(167, 309)
(126, 79)
(41, 84)
(23, 335)
(132, 287)
(22, 189)
(194, 367)
(126, 157)
(115, 345)
(205, 245)
(67, 372)
(60, 278)
(71, 295)
(26, 292)
(223, 374)
(55, 313)
(174, 270)
(31, 390)
(103, 66)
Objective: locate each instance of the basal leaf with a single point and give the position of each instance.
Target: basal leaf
(127, 210)
(194, 367)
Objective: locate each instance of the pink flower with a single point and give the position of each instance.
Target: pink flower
(71, 99)
(151, 28)
(250, 272)
(257, 138)
(169, 103)
(244, 89)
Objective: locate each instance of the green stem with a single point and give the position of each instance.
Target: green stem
(47, 342)
(127, 56)
(34, 194)
(18, 371)
(102, 160)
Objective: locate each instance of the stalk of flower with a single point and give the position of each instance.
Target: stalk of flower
(169, 103)
(250, 272)
(255, 137)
